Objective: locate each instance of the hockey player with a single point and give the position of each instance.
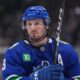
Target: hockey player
(31, 59)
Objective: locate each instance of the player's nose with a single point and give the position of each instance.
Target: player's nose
(33, 27)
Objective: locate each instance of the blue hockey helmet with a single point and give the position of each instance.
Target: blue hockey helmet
(36, 12)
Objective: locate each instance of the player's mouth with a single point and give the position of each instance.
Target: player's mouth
(34, 33)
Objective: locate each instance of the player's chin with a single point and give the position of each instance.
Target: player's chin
(35, 37)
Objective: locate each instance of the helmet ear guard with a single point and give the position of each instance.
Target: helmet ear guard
(24, 25)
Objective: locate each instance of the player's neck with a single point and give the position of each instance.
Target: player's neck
(42, 42)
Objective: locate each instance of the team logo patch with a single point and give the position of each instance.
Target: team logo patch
(26, 57)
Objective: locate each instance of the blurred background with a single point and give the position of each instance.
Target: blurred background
(10, 21)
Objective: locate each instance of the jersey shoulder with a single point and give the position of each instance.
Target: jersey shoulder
(62, 44)
(19, 44)
(65, 45)
(17, 47)
(68, 50)
(16, 50)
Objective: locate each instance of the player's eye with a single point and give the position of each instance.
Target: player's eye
(28, 24)
(37, 23)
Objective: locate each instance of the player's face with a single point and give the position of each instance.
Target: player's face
(36, 28)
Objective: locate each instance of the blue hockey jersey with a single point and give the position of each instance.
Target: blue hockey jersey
(21, 59)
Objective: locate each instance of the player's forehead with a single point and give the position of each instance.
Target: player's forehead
(35, 20)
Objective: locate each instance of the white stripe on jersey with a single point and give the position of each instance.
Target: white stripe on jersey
(14, 45)
(12, 76)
